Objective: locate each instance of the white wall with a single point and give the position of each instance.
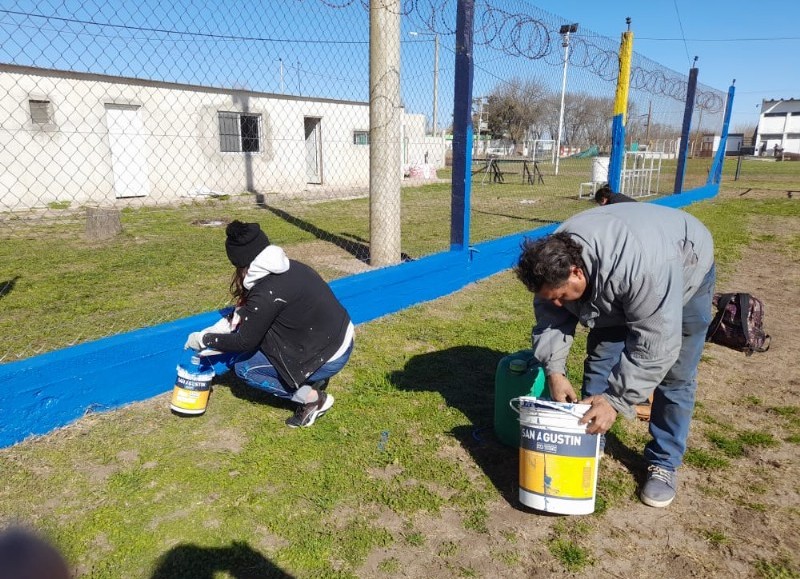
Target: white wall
(70, 160)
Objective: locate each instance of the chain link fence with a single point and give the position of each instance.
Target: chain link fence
(132, 133)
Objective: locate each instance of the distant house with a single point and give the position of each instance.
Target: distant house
(90, 139)
(709, 143)
(779, 124)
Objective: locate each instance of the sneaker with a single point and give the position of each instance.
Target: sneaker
(306, 414)
(659, 490)
(320, 385)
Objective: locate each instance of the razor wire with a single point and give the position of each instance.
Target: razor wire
(164, 122)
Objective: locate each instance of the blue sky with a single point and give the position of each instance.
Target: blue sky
(322, 45)
(721, 34)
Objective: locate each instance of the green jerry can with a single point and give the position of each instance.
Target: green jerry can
(518, 374)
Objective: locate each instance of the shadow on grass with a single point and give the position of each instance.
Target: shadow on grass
(355, 246)
(7, 286)
(239, 561)
(464, 376)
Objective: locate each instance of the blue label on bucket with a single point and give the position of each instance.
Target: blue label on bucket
(560, 443)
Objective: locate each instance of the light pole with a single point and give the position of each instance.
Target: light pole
(565, 31)
(480, 100)
(435, 35)
(281, 61)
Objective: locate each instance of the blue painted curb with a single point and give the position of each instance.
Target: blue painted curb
(42, 393)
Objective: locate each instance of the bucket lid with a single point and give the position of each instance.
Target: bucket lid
(530, 403)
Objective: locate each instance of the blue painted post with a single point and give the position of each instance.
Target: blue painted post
(715, 175)
(462, 128)
(691, 88)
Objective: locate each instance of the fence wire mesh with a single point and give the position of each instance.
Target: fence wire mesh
(132, 133)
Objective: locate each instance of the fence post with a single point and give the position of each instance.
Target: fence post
(691, 88)
(462, 128)
(715, 175)
(620, 106)
(384, 130)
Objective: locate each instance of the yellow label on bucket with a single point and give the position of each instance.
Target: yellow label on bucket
(189, 399)
(557, 464)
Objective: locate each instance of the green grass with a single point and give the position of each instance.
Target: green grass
(138, 492)
(168, 263)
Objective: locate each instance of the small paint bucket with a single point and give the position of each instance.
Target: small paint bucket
(558, 460)
(192, 387)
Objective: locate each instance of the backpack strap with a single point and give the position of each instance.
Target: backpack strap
(744, 310)
(722, 303)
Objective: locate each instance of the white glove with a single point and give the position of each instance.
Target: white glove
(223, 326)
(195, 341)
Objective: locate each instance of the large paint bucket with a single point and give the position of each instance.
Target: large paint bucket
(192, 387)
(518, 374)
(558, 460)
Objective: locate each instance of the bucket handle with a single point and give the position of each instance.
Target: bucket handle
(546, 404)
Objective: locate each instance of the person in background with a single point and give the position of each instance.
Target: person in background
(290, 331)
(604, 196)
(25, 555)
(641, 278)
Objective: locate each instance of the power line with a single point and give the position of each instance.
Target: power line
(181, 32)
(721, 39)
(683, 35)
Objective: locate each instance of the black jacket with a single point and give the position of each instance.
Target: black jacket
(619, 198)
(294, 318)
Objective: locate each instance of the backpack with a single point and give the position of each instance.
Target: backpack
(738, 323)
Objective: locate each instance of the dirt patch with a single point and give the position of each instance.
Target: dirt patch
(724, 521)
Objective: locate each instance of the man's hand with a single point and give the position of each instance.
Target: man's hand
(600, 417)
(560, 388)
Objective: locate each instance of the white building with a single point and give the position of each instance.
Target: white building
(75, 139)
(779, 124)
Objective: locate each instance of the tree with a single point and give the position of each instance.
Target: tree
(513, 108)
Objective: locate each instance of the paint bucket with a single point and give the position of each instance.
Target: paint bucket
(192, 387)
(558, 460)
(518, 374)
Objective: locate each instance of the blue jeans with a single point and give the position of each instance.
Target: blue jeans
(673, 400)
(257, 370)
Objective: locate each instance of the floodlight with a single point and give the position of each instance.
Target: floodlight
(568, 28)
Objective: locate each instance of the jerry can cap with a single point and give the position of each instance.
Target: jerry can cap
(518, 366)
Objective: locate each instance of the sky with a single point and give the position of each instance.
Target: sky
(321, 47)
(756, 44)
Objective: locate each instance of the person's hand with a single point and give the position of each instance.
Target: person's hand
(560, 388)
(194, 341)
(600, 417)
(223, 326)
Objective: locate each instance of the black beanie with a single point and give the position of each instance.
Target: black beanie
(245, 241)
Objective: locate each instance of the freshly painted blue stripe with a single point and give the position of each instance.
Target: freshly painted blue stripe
(683, 147)
(715, 174)
(617, 153)
(45, 392)
(462, 129)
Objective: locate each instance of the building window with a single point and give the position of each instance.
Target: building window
(41, 112)
(774, 114)
(361, 137)
(239, 133)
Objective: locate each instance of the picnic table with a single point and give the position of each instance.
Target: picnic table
(498, 169)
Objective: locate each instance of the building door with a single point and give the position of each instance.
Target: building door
(313, 150)
(128, 158)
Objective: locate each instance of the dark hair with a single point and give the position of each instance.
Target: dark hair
(548, 261)
(238, 291)
(603, 193)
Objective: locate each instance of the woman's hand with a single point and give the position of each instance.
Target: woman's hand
(560, 388)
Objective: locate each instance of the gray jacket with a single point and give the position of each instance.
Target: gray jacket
(643, 262)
